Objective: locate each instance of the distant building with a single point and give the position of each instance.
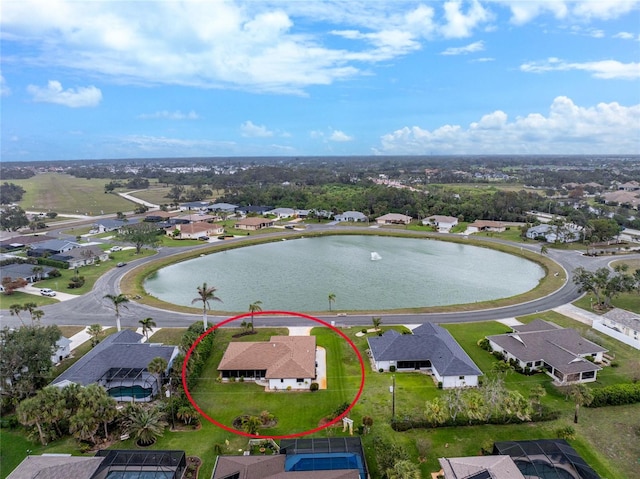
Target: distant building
(196, 230)
(486, 225)
(479, 467)
(351, 216)
(568, 233)
(254, 223)
(443, 223)
(620, 324)
(282, 213)
(393, 219)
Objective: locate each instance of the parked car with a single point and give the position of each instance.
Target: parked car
(116, 248)
(203, 238)
(47, 292)
(121, 264)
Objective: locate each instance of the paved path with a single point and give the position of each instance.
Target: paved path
(60, 296)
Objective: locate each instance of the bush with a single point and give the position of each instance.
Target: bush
(76, 282)
(314, 386)
(392, 369)
(439, 384)
(380, 370)
(363, 330)
(566, 432)
(55, 273)
(498, 355)
(616, 395)
(484, 344)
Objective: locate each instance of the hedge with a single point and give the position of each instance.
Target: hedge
(54, 263)
(616, 395)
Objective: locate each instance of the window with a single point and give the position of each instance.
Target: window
(300, 380)
(282, 380)
(461, 377)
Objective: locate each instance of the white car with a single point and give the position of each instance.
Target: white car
(47, 292)
(116, 248)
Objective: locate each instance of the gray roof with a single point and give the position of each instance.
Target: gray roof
(622, 316)
(109, 223)
(498, 467)
(222, 207)
(271, 467)
(429, 342)
(56, 245)
(22, 270)
(535, 325)
(562, 348)
(56, 467)
(120, 350)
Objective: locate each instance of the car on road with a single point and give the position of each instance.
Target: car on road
(47, 292)
(121, 264)
(203, 238)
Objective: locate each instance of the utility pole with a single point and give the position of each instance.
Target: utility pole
(393, 397)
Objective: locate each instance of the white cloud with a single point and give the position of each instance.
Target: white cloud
(625, 36)
(339, 136)
(458, 24)
(71, 97)
(605, 69)
(566, 129)
(248, 129)
(524, 11)
(4, 88)
(149, 143)
(471, 48)
(169, 115)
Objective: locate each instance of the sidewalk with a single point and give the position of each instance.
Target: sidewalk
(576, 313)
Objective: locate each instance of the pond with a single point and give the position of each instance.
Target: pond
(363, 272)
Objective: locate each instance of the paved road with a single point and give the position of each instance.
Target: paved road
(93, 308)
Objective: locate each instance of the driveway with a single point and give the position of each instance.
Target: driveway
(30, 289)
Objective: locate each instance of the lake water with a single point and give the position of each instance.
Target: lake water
(300, 274)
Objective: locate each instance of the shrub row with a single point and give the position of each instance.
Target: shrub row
(406, 423)
(616, 395)
(53, 262)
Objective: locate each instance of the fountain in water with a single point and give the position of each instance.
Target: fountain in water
(375, 256)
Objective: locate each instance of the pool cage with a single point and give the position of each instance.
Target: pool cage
(132, 464)
(326, 453)
(546, 459)
(130, 384)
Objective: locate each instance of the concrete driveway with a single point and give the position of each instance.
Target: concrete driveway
(30, 289)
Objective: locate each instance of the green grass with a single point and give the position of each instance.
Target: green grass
(168, 336)
(21, 298)
(67, 194)
(628, 301)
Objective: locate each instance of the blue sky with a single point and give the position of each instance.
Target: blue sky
(128, 79)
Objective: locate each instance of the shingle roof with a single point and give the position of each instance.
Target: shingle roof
(428, 342)
(624, 317)
(499, 467)
(120, 350)
(56, 467)
(271, 467)
(282, 357)
(562, 348)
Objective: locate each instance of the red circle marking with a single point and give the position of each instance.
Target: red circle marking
(272, 313)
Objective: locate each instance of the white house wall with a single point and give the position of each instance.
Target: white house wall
(280, 384)
(599, 326)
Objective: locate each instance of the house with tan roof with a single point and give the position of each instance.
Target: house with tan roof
(254, 223)
(284, 362)
(393, 219)
(486, 225)
(561, 352)
(197, 230)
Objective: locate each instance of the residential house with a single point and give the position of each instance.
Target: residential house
(196, 230)
(51, 247)
(194, 218)
(285, 362)
(25, 271)
(195, 206)
(225, 209)
(19, 242)
(314, 458)
(623, 197)
(63, 350)
(443, 223)
(393, 219)
(119, 364)
(561, 352)
(429, 348)
(486, 225)
(629, 186)
(477, 467)
(351, 216)
(282, 213)
(254, 223)
(253, 210)
(121, 463)
(81, 256)
(109, 224)
(567, 233)
(620, 324)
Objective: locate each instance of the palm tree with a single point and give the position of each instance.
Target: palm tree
(332, 298)
(30, 413)
(582, 396)
(254, 308)
(84, 424)
(157, 367)
(118, 301)
(250, 424)
(95, 331)
(377, 321)
(187, 414)
(147, 326)
(15, 310)
(206, 294)
(146, 425)
(404, 469)
(36, 315)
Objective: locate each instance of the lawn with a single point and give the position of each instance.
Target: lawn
(67, 194)
(18, 297)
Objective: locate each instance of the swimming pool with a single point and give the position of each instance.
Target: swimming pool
(324, 462)
(136, 392)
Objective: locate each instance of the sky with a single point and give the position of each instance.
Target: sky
(91, 79)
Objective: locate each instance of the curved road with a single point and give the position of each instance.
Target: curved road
(93, 308)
